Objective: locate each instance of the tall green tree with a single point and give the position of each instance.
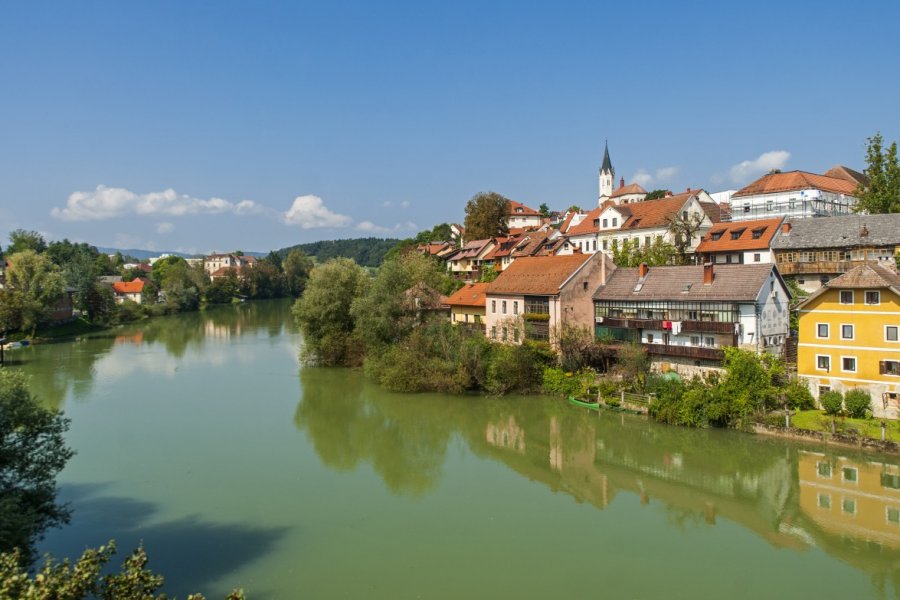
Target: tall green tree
(544, 209)
(882, 195)
(296, 266)
(656, 194)
(486, 214)
(32, 452)
(323, 313)
(630, 253)
(33, 285)
(684, 228)
(26, 240)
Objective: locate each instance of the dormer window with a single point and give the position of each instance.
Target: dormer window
(757, 233)
(518, 210)
(736, 235)
(716, 235)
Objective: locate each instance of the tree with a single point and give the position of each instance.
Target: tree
(26, 240)
(488, 274)
(323, 312)
(33, 285)
(882, 195)
(656, 194)
(683, 228)
(486, 214)
(32, 453)
(262, 281)
(574, 209)
(87, 578)
(296, 266)
(222, 289)
(438, 233)
(544, 210)
(632, 254)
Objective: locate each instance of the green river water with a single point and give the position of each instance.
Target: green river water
(203, 436)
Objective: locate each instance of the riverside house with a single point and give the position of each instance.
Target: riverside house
(684, 316)
(817, 250)
(744, 242)
(850, 336)
(536, 295)
(129, 290)
(467, 305)
(798, 194)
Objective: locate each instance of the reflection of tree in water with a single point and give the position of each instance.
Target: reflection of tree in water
(350, 421)
(60, 368)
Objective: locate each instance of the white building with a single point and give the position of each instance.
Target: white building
(797, 194)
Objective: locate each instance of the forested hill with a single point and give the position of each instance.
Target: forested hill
(368, 252)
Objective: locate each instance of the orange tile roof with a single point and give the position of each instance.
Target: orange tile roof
(541, 275)
(565, 224)
(655, 213)
(842, 172)
(631, 188)
(471, 294)
(745, 240)
(587, 224)
(526, 211)
(796, 180)
(135, 286)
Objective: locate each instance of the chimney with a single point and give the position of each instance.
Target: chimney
(786, 227)
(708, 274)
(643, 269)
(621, 183)
(687, 189)
(668, 193)
(864, 232)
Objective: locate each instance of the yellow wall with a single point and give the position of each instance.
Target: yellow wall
(466, 314)
(868, 346)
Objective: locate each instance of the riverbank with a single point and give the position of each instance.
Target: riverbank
(826, 437)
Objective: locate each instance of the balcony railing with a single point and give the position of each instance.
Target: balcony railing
(695, 352)
(686, 326)
(819, 266)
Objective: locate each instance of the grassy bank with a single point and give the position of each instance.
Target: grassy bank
(817, 420)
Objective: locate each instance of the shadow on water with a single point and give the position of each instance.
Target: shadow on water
(193, 554)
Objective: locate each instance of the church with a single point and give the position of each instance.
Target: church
(624, 194)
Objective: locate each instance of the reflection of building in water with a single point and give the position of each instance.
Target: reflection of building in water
(220, 331)
(506, 434)
(136, 338)
(851, 498)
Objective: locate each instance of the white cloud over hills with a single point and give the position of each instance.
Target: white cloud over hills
(309, 212)
(108, 202)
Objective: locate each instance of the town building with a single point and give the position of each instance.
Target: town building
(467, 305)
(522, 216)
(606, 178)
(814, 251)
(466, 263)
(129, 290)
(628, 194)
(797, 194)
(849, 336)
(685, 315)
(743, 242)
(537, 295)
(215, 262)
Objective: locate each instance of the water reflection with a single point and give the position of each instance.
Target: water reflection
(846, 503)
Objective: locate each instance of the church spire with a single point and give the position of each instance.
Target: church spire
(607, 164)
(606, 177)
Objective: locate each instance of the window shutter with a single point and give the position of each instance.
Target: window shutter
(882, 369)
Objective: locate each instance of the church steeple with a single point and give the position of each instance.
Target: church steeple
(607, 176)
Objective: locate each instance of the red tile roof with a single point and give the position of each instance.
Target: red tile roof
(135, 286)
(745, 231)
(542, 275)
(471, 294)
(587, 225)
(842, 172)
(526, 211)
(796, 180)
(631, 188)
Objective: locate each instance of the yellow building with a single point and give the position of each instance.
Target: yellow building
(850, 336)
(467, 305)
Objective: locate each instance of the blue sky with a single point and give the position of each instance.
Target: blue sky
(239, 125)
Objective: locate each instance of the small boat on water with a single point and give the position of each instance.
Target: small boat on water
(577, 402)
(16, 345)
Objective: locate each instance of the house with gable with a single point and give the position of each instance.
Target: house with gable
(466, 263)
(628, 194)
(467, 305)
(684, 316)
(798, 194)
(537, 295)
(522, 216)
(129, 290)
(741, 242)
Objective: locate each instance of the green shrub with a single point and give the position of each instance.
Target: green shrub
(517, 369)
(831, 402)
(129, 311)
(857, 401)
(798, 395)
(561, 383)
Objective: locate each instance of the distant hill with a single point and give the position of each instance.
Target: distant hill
(145, 254)
(368, 252)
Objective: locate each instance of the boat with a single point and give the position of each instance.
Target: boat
(577, 402)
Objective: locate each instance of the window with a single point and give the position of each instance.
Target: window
(889, 367)
(684, 215)
(822, 331)
(892, 515)
(605, 244)
(584, 286)
(824, 501)
(757, 233)
(823, 362)
(477, 318)
(846, 297)
(736, 235)
(846, 332)
(848, 505)
(850, 474)
(716, 235)
(891, 333)
(494, 333)
(824, 389)
(605, 221)
(695, 340)
(757, 257)
(615, 222)
(649, 338)
(848, 364)
(873, 297)
(824, 469)
(709, 341)
(494, 307)
(503, 304)
(515, 307)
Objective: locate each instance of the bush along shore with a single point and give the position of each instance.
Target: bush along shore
(389, 325)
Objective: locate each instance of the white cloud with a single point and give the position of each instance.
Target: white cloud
(774, 159)
(370, 227)
(309, 212)
(666, 173)
(404, 204)
(642, 178)
(107, 203)
(165, 227)
(387, 204)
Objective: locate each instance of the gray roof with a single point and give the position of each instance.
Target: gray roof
(840, 232)
(731, 283)
(607, 164)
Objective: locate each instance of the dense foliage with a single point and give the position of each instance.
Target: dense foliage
(486, 214)
(857, 401)
(631, 254)
(832, 402)
(367, 252)
(87, 578)
(882, 194)
(32, 453)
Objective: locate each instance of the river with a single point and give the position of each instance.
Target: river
(203, 436)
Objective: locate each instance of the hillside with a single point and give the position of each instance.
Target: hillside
(368, 252)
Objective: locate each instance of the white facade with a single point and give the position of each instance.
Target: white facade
(795, 203)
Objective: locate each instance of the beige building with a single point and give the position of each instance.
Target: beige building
(467, 305)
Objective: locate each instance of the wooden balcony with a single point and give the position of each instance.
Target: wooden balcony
(686, 326)
(631, 323)
(695, 352)
(707, 327)
(814, 268)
